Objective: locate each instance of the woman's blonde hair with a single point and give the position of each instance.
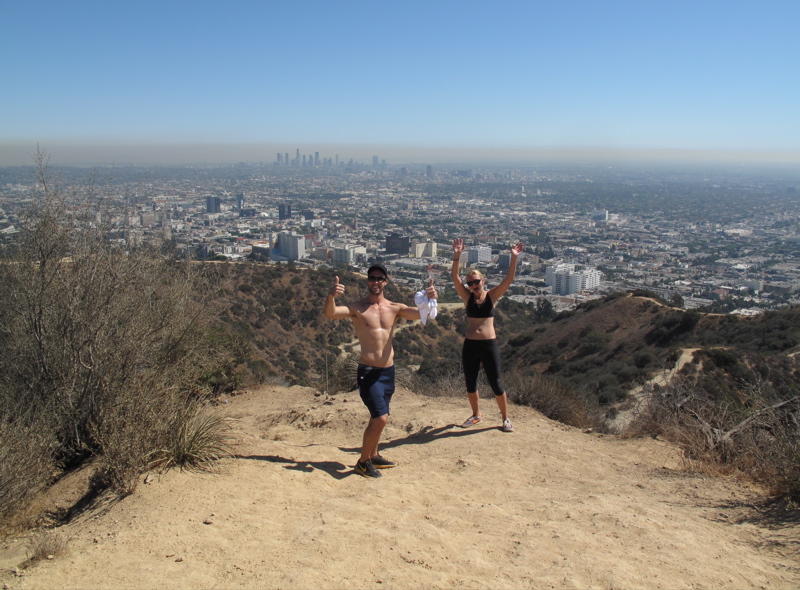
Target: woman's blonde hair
(475, 272)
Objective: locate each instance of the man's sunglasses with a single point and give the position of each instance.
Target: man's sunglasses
(474, 282)
(372, 279)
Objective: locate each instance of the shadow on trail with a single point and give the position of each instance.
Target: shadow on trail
(772, 514)
(333, 468)
(339, 471)
(425, 436)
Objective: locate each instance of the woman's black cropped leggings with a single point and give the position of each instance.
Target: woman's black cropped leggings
(486, 352)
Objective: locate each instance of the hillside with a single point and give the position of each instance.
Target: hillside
(598, 353)
(548, 506)
(277, 313)
(608, 346)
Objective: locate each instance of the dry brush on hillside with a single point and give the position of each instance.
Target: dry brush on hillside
(106, 351)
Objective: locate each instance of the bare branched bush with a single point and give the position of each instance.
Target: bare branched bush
(750, 430)
(101, 345)
(780, 450)
(26, 460)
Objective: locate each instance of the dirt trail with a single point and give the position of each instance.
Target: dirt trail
(636, 398)
(547, 506)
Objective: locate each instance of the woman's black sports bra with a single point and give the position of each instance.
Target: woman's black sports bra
(480, 310)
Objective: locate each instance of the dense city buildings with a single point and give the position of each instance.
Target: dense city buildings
(722, 236)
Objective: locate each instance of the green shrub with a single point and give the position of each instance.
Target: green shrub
(723, 358)
(593, 341)
(520, 340)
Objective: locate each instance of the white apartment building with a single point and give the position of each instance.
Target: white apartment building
(425, 249)
(566, 281)
(343, 255)
(348, 254)
(550, 272)
(479, 254)
(292, 246)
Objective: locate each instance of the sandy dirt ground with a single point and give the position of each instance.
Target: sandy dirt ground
(547, 506)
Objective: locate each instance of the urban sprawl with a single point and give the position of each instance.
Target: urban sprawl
(722, 237)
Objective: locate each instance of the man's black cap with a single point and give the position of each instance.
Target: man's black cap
(379, 267)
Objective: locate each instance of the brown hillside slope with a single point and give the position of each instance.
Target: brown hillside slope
(625, 321)
(545, 507)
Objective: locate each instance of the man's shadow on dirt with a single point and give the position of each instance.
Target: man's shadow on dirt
(426, 435)
(333, 468)
(339, 471)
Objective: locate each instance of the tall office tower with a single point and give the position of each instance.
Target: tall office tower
(374, 160)
(429, 171)
(284, 211)
(213, 204)
(286, 159)
(398, 244)
(337, 160)
(297, 158)
(304, 160)
(316, 158)
(240, 201)
(280, 157)
(504, 261)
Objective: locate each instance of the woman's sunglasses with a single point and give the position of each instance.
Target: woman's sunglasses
(474, 282)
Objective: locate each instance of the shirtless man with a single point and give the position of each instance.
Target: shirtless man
(373, 319)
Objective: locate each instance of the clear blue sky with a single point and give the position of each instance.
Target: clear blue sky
(643, 74)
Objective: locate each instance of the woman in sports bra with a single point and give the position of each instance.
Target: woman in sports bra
(480, 343)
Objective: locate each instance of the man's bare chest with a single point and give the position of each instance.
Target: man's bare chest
(376, 317)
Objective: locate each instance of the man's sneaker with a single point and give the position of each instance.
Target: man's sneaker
(507, 426)
(366, 469)
(472, 421)
(382, 462)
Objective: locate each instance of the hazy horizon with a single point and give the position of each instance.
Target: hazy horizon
(103, 155)
(161, 83)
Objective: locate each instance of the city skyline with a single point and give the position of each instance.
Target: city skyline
(177, 84)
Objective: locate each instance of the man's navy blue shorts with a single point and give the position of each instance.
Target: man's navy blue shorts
(376, 386)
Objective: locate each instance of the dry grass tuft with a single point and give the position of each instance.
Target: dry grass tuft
(46, 545)
(199, 440)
